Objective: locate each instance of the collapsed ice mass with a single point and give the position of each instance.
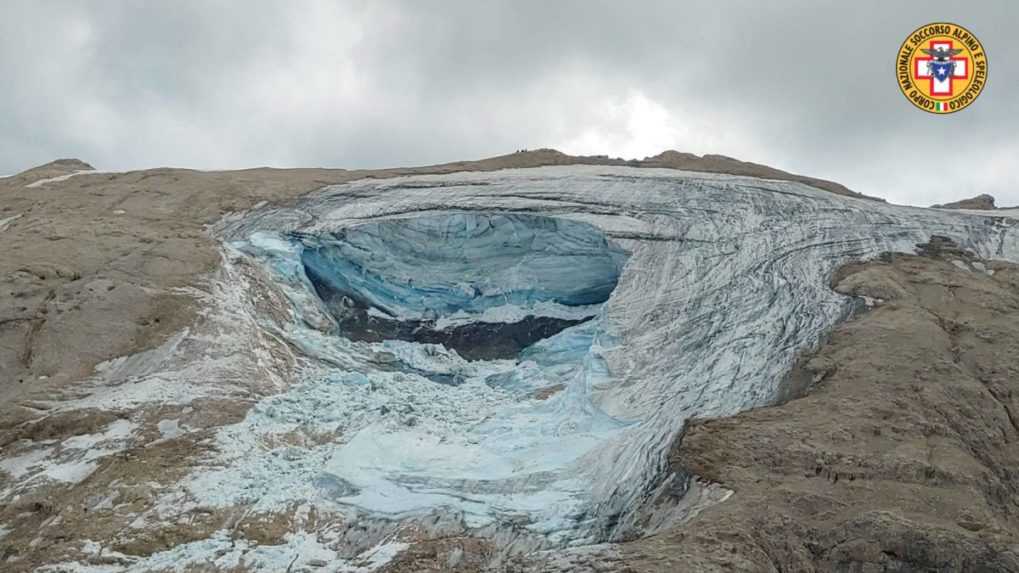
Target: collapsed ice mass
(451, 354)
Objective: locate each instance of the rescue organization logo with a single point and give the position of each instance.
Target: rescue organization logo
(941, 67)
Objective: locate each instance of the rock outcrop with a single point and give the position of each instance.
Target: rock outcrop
(980, 202)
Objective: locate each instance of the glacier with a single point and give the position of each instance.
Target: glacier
(511, 354)
(466, 347)
(460, 279)
(667, 295)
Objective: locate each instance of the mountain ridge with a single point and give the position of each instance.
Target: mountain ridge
(668, 159)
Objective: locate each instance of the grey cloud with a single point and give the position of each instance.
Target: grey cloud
(804, 86)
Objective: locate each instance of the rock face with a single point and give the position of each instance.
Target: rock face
(245, 426)
(901, 455)
(980, 202)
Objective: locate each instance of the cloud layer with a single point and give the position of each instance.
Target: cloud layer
(807, 86)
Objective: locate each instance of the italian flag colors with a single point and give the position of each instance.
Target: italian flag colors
(941, 105)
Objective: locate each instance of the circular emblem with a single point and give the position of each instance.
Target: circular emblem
(941, 67)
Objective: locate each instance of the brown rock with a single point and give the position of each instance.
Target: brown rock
(980, 202)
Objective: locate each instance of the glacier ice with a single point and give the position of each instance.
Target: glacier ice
(415, 425)
(466, 262)
(646, 297)
(485, 285)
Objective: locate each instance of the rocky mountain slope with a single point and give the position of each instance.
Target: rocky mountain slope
(899, 457)
(980, 202)
(239, 370)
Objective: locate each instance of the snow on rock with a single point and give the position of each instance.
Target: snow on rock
(302, 552)
(18, 466)
(6, 221)
(60, 178)
(169, 429)
(70, 461)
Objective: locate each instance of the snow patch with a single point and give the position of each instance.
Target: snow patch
(302, 552)
(5, 222)
(72, 460)
(60, 178)
(70, 472)
(117, 430)
(18, 466)
(169, 429)
(132, 394)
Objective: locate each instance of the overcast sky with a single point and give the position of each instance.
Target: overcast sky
(805, 86)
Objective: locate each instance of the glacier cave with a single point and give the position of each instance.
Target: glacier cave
(484, 285)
